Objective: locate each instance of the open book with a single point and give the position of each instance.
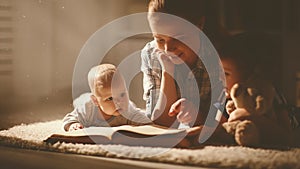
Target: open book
(146, 135)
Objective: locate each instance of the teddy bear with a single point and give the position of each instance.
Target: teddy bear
(256, 96)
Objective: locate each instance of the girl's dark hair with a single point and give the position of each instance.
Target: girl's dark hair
(254, 52)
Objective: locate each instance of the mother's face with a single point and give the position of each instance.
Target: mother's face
(176, 37)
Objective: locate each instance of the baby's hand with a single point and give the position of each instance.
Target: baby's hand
(185, 111)
(75, 126)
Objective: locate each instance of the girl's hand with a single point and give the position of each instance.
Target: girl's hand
(75, 126)
(184, 110)
(230, 107)
(239, 114)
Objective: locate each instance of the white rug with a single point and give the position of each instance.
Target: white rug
(31, 136)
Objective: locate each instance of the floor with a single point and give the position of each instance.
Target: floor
(14, 114)
(31, 159)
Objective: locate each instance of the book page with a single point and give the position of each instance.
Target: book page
(100, 131)
(148, 130)
(120, 134)
(146, 135)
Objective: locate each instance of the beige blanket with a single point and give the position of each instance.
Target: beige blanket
(31, 136)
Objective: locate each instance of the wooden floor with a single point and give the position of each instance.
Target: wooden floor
(14, 158)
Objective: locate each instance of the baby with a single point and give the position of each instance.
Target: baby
(107, 105)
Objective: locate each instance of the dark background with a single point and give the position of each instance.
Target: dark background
(41, 39)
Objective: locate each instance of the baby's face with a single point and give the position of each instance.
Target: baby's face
(232, 74)
(114, 100)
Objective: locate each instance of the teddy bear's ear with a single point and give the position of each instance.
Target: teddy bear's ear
(260, 106)
(236, 90)
(252, 91)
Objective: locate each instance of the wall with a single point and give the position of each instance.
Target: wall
(48, 36)
(279, 18)
(291, 50)
(33, 50)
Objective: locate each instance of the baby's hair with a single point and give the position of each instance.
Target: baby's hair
(101, 76)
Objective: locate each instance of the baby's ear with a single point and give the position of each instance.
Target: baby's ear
(95, 100)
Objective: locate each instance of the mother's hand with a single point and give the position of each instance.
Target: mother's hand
(184, 110)
(164, 60)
